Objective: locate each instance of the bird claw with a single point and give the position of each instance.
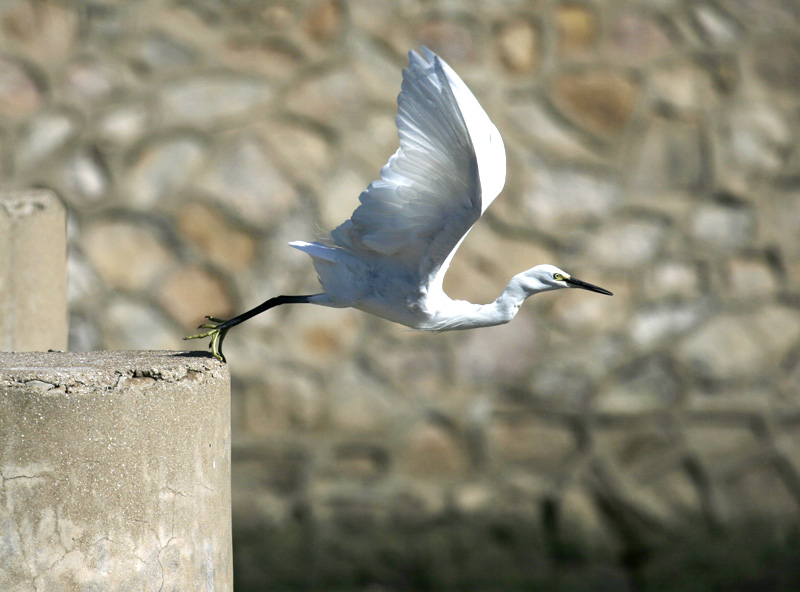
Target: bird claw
(217, 335)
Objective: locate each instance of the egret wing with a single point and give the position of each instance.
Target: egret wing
(429, 194)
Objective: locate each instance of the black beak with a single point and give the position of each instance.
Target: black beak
(575, 283)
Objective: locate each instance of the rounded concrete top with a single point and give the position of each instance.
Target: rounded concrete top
(104, 369)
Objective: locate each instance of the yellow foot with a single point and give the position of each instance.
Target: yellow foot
(217, 335)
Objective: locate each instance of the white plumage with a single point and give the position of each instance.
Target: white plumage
(389, 259)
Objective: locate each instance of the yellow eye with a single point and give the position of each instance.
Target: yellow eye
(558, 277)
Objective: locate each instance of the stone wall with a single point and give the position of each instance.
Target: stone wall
(652, 150)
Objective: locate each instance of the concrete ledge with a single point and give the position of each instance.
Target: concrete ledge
(33, 271)
(114, 472)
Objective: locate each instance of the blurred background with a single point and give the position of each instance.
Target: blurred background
(647, 441)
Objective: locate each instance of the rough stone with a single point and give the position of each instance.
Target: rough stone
(44, 30)
(672, 280)
(91, 80)
(518, 45)
(430, 450)
(577, 27)
(163, 166)
(649, 384)
(48, 132)
(191, 293)
(538, 121)
(324, 21)
(208, 100)
(681, 88)
(126, 323)
(123, 123)
(626, 244)
(731, 348)
(208, 229)
(638, 37)
(126, 255)
(763, 490)
(714, 26)
(450, 35)
(600, 101)
(530, 440)
(564, 197)
(671, 156)
(85, 177)
(724, 227)
(777, 63)
(652, 325)
(157, 53)
(243, 179)
(755, 137)
(751, 278)
(21, 90)
(508, 362)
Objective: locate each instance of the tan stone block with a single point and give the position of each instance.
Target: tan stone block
(33, 271)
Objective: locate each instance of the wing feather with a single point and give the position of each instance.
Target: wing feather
(429, 195)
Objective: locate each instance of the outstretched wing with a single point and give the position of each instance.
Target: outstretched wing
(448, 169)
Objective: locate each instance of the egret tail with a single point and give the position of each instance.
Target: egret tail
(220, 327)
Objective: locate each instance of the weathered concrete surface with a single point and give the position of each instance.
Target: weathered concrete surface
(114, 472)
(33, 271)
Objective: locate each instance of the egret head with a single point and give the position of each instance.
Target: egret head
(546, 277)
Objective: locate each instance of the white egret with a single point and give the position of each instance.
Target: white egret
(390, 257)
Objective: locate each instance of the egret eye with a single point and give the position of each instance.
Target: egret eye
(558, 277)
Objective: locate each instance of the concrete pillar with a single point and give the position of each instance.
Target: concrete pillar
(33, 271)
(114, 472)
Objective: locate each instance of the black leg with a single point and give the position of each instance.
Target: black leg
(219, 327)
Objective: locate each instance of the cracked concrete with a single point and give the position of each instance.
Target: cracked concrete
(114, 472)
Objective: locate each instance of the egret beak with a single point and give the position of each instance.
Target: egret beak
(576, 283)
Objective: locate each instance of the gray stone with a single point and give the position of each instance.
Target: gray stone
(644, 385)
(85, 177)
(555, 136)
(626, 244)
(727, 227)
(672, 279)
(123, 123)
(777, 63)
(562, 197)
(91, 80)
(115, 471)
(163, 166)
(670, 156)
(653, 325)
(730, 348)
(714, 26)
(157, 53)
(529, 440)
(45, 134)
(126, 323)
(756, 137)
(637, 37)
(210, 99)
(244, 180)
(329, 96)
(681, 88)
